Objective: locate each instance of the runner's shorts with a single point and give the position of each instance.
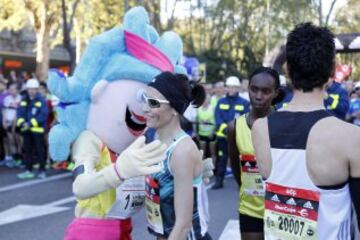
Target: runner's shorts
(251, 224)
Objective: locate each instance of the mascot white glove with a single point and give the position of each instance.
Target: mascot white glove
(140, 159)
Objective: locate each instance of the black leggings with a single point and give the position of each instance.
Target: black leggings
(34, 150)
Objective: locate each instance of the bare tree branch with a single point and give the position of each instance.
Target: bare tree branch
(33, 11)
(74, 6)
(329, 13)
(171, 20)
(320, 13)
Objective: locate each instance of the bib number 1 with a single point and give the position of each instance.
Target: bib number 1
(130, 198)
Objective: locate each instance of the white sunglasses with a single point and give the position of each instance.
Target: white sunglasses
(151, 102)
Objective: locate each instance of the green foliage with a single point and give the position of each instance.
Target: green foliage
(96, 16)
(13, 15)
(239, 32)
(347, 19)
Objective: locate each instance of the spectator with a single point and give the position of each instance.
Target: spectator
(2, 78)
(13, 139)
(12, 76)
(32, 117)
(205, 126)
(24, 76)
(349, 85)
(354, 110)
(336, 100)
(44, 92)
(3, 94)
(227, 109)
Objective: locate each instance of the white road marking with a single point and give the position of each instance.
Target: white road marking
(34, 182)
(23, 212)
(209, 186)
(62, 201)
(231, 231)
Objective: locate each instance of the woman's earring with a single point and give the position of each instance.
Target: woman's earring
(175, 113)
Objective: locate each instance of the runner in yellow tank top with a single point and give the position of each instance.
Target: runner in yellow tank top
(263, 91)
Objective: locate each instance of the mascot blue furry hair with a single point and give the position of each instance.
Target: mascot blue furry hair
(105, 58)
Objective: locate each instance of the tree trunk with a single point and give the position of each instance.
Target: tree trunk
(67, 27)
(78, 41)
(154, 9)
(126, 6)
(42, 52)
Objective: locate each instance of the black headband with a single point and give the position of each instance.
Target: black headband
(165, 83)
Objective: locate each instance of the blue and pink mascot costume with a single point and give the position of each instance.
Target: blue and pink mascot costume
(99, 112)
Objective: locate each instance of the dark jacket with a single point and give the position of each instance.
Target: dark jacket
(227, 109)
(32, 114)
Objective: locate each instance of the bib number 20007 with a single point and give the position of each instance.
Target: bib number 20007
(290, 225)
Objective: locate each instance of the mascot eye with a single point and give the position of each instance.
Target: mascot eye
(140, 95)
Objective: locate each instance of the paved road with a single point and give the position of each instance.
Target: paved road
(41, 209)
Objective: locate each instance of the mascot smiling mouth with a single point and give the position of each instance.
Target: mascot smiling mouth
(135, 123)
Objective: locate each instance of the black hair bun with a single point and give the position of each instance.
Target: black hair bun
(198, 94)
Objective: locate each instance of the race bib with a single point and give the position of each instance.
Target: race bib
(130, 197)
(153, 213)
(290, 213)
(250, 176)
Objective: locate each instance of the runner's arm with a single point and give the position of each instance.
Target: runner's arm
(182, 168)
(261, 143)
(354, 180)
(233, 151)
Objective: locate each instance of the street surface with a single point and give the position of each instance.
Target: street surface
(41, 209)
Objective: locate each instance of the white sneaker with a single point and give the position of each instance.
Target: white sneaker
(41, 175)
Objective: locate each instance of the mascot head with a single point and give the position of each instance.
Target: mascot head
(101, 96)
